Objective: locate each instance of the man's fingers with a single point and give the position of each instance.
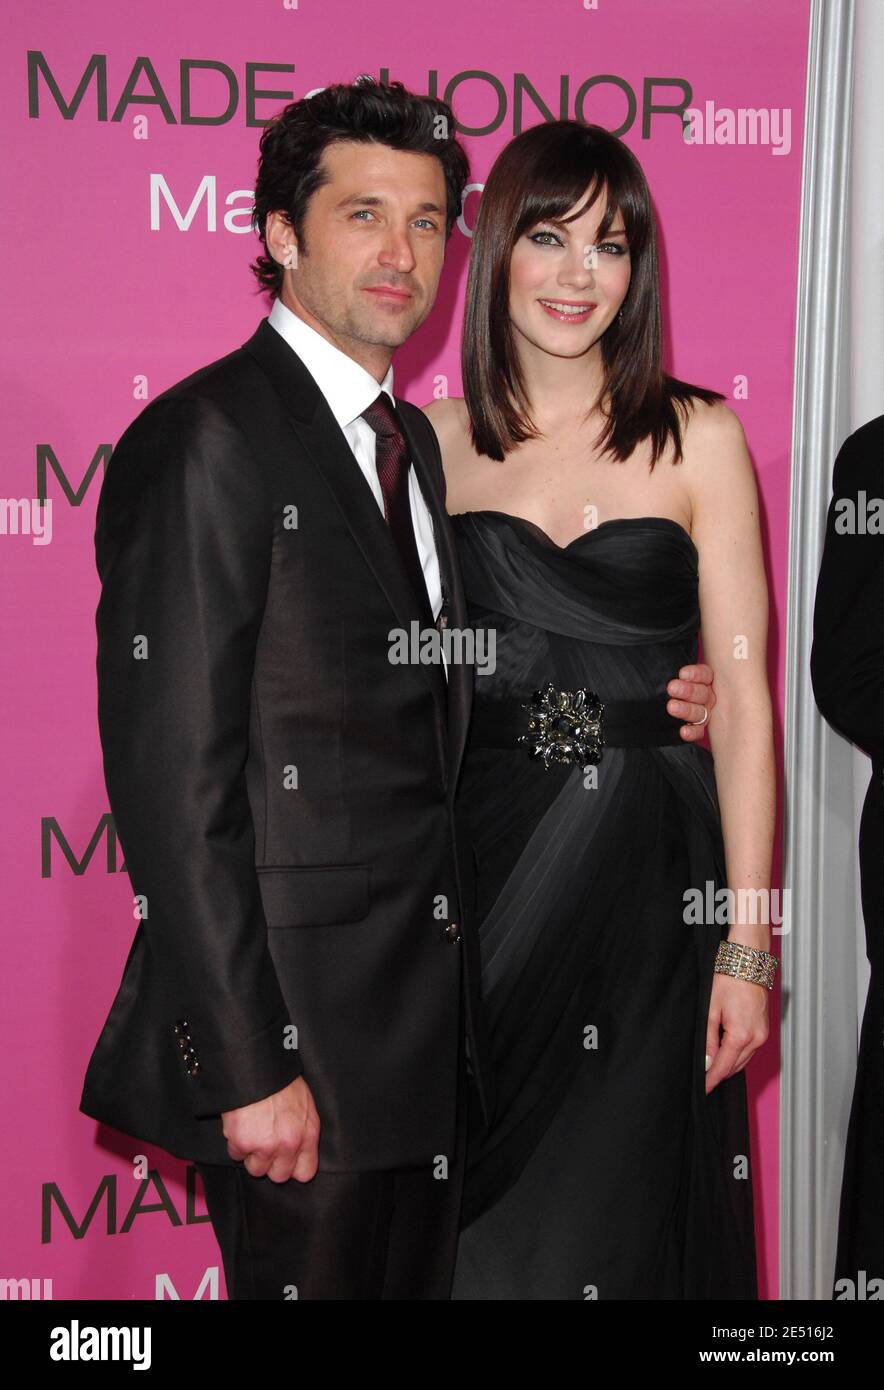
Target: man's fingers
(306, 1163)
(694, 685)
(693, 691)
(256, 1163)
(283, 1144)
(691, 698)
(306, 1167)
(695, 728)
(308, 1157)
(700, 672)
(282, 1166)
(683, 709)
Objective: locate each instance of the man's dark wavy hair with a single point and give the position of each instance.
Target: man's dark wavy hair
(290, 164)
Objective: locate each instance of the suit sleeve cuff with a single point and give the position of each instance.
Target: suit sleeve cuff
(247, 1071)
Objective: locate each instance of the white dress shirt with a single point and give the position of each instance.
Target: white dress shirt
(350, 389)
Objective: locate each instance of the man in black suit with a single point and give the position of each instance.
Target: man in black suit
(301, 1000)
(847, 671)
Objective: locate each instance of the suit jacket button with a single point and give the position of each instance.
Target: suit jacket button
(452, 933)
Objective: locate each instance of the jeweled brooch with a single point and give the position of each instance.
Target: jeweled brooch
(565, 726)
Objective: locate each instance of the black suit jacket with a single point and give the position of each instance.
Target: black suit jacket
(847, 668)
(847, 657)
(283, 794)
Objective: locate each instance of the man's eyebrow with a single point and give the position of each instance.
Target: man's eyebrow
(374, 200)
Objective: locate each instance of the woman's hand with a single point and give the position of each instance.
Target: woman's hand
(740, 1008)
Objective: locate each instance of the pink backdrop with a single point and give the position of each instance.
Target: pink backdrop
(104, 309)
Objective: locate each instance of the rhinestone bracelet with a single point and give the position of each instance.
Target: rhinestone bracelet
(746, 963)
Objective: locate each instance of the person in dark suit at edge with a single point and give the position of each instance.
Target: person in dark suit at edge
(847, 672)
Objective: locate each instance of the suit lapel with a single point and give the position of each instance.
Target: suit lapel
(325, 442)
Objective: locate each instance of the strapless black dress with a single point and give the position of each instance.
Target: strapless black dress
(607, 1171)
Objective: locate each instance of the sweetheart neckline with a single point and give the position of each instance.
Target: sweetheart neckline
(591, 531)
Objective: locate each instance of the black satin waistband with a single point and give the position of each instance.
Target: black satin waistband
(625, 723)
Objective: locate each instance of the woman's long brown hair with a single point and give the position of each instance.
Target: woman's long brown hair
(538, 176)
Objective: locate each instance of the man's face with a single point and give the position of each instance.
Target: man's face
(375, 243)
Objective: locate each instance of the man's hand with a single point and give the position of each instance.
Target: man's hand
(278, 1135)
(693, 694)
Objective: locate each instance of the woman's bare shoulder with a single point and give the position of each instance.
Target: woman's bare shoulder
(449, 418)
(711, 422)
(718, 467)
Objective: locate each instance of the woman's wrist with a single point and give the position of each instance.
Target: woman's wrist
(755, 934)
(746, 962)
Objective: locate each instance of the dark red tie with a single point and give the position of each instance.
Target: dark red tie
(391, 456)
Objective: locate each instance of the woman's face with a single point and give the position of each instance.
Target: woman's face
(565, 286)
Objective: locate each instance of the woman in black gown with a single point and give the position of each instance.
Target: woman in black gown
(608, 1171)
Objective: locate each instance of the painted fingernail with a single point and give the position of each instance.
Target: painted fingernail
(708, 1061)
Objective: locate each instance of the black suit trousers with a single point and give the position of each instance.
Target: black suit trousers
(381, 1234)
